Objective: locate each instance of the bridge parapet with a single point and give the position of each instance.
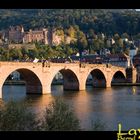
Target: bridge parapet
(96, 65)
(58, 64)
(19, 63)
(64, 64)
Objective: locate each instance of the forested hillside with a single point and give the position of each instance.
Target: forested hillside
(109, 21)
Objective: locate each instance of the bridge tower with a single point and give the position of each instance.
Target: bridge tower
(131, 74)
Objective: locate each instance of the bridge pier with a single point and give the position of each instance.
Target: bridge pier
(108, 78)
(33, 89)
(70, 85)
(131, 75)
(46, 89)
(134, 75)
(108, 84)
(82, 85)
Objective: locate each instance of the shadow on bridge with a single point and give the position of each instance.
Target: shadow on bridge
(67, 78)
(96, 79)
(27, 78)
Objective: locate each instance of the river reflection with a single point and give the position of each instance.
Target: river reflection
(110, 105)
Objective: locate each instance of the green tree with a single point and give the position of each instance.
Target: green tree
(125, 35)
(81, 42)
(15, 53)
(116, 36)
(24, 50)
(59, 117)
(67, 50)
(4, 54)
(113, 51)
(15, 116)
(126, 51)
(33, 53)
(96, 45)
(91, 33)
(71, 32)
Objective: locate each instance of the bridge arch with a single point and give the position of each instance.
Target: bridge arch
(118, 77)
(32, 80)
(98, 78)
(70, 79)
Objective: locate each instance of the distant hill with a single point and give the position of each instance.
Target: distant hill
(101, 20)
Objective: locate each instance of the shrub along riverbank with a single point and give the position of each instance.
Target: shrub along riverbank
(15, 116)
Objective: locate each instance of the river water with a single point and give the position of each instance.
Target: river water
(120, 104)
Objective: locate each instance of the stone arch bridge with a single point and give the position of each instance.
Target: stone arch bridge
(39, 76)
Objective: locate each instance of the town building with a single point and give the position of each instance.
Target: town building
(104, 51)
(133, 51)
(15, 34)
(136, 63)
(36, 36)
(120, 59)
(137, 43)
(90, 58)
(136, 60)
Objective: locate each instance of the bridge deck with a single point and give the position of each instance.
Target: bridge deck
(55, 64)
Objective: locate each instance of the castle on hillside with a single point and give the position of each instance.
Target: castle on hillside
(17, 35)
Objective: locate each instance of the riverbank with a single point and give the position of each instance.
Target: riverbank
(119, 84)
(21, 82)
(14, 82)
(125, 84)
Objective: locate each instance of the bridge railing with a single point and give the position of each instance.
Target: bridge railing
(18, 63)
(49, 64)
